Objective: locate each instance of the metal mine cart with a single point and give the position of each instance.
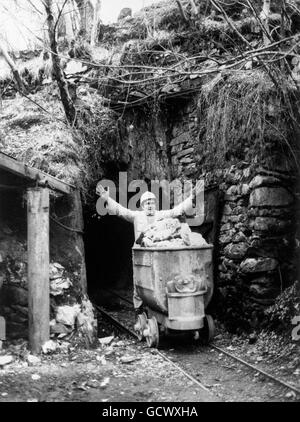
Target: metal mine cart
(176, 286)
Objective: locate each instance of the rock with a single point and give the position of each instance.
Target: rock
(275, 212)
(175, 149)
(59, 328)
(105, 382)
(67, 314)
(33, 360)
(183, 137)
(86, 321)
(234, 218)
(236, 250)
(238, 210)
(49, 347)
(225, 227)
(270, 224)
(186, 160)
(245, 189)
(239, 237)
(129, 359)
(5, 360)
(106, 340)
(290, 395)
(93, 383)
(270, 197)
(255, 265)
(56, 270)
(232, 190)
(58, 285)
(229, 263)
(185, 152)
(227, 210)
(263, 181)
(224, 239)
(179, 130)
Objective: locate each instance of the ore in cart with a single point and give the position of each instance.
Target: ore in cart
(176, 285)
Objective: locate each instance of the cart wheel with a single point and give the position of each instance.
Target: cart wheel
(140, 325)
(208, 329)
(151, 333)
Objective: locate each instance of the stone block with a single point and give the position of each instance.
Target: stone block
(186, 160)
(270, 197)
(185, 152)
(256, 265)
(245, 189)
(270, 224)
(227, 210)
(263, 181)
(239, 237)
(236, 250)
(182, 138)
(224, 239)
(225, 227)
(175, 149)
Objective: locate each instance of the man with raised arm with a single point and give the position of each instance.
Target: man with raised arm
(144, 218)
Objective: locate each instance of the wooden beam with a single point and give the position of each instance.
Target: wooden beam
(41, 178)
(2, 329)
(38, 267)
(77, 221)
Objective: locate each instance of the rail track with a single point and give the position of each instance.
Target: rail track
(125, 329)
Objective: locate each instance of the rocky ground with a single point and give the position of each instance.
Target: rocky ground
(114, 370)
(119, 369)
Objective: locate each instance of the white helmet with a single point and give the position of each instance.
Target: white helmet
(147, 195)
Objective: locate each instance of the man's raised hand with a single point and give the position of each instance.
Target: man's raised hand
(104, 194)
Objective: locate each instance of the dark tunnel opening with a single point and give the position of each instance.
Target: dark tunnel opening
(108, 243)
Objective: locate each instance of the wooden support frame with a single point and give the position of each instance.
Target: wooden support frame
(30, 173)
(38, 267)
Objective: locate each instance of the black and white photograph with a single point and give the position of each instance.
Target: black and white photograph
(149, 204)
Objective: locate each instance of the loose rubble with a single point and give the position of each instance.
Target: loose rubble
(170, 233)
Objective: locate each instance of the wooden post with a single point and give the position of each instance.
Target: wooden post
(38, 267)
(77, 221)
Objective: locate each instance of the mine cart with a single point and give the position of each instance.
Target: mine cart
(176, 285)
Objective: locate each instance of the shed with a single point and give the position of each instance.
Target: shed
(37, 187)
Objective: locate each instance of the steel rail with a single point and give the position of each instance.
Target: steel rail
(266, 374)
(123, 328)
(242, 361)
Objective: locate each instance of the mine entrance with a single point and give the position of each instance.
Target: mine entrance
(108, 244)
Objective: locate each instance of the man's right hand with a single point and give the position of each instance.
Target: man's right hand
(104, 194)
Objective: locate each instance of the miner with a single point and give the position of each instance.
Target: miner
(144, 218)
